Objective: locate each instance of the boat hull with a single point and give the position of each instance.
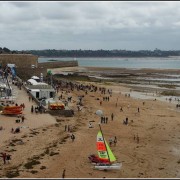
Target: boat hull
(102, 166)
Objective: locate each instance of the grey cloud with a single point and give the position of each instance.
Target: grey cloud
(89, 25)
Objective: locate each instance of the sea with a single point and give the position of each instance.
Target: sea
(132, 63)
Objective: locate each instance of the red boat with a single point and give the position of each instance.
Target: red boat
(95, 159)
(12, 110)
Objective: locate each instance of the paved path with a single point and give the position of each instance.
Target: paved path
(32, 120)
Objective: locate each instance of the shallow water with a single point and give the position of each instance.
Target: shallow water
(133, 63)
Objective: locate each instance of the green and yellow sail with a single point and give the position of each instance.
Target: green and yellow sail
(104, 149)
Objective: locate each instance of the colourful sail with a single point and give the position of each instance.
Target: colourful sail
(102, 149)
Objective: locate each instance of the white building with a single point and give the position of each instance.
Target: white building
(41, 91)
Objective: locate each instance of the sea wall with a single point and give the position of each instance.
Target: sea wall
(20, 60)
(58, 64)
(27, 73)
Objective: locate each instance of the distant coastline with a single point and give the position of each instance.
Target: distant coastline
(107, 57)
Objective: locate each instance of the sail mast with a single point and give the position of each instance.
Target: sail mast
(104, 142)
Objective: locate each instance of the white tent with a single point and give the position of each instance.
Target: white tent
(32, 81)
(35, 77)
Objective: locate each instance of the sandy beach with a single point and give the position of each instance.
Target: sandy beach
(48, 149)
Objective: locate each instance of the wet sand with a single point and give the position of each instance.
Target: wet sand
(47, 148)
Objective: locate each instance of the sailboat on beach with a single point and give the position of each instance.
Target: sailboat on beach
(105, 159)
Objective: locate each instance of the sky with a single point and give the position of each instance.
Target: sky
(90, 25)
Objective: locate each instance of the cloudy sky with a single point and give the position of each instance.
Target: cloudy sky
(90, 25)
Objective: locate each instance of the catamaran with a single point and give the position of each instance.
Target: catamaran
(105, 159)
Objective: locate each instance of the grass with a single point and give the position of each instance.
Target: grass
(12, 150)
(170, 93)
(57, 125)
(31, 163)
(53, 153)
(12, 174)
(73, 77)
(43, 167)
(34, 133)
(47, 151)
(34, 171)
(170, 86)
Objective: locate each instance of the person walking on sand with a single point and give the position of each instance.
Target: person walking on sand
(8, 158)
(110, 141)
(63, 174)
(112, 117)
(73, 137)
(106, 120)
(115, 140)
(65, 127)
(137, 139)
(4, 156)
(121, 109)
(32, 109)
(22, 118)
(138, 110)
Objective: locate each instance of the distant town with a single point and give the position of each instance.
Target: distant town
(94, 53)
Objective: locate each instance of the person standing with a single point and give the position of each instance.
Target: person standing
(106, 120)
(115, 140)
(112, 117)
(8, 158)
(4, 156)
(32, 109)
(102, 119)
(63, 174)
(137, 139)
(73, 137)
(22, 118)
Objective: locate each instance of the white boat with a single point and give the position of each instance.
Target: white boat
(102, 166)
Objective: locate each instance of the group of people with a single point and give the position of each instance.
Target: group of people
(136, 137)
(5, 157)
(113, 141)
(68, 128)
(37, 109)
(104, 120)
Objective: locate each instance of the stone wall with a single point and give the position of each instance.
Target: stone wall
(20, 60)
(66, 113)
(58, 64)
(27, 73)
